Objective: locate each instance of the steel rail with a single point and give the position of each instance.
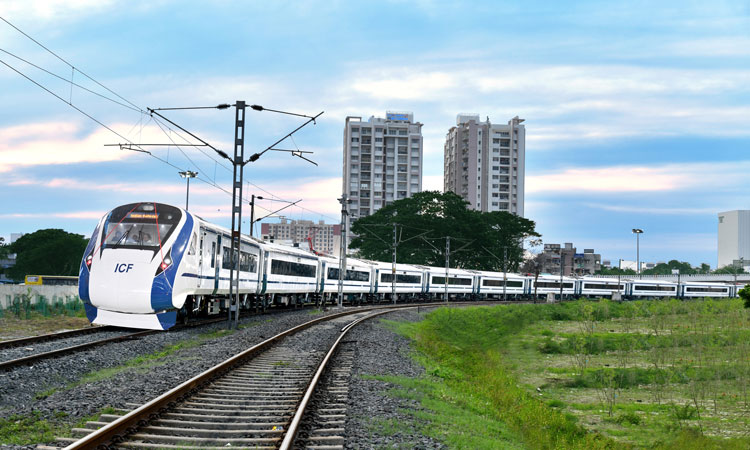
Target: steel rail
(5, 365)
(114, 432)
(293, 428)
(53, 336)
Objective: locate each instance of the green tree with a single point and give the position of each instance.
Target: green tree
(744, 294)
(666, 268)
(730, 270)
(435, 215)
(615, 271)
(47, 252)
(4, 250)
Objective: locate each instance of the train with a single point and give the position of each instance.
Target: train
(151, 265)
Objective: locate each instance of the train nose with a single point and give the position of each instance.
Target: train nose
(122, 281)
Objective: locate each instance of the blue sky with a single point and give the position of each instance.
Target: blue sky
(637, 114)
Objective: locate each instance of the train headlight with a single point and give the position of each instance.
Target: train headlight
(89, 260)
(165, 263)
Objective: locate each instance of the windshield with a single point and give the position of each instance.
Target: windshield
(140, 226)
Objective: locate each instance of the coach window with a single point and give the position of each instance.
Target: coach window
(213, 253)
(229, 261)
(292, 269)
(247, 262)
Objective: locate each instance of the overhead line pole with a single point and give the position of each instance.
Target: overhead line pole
(344, 200)
(447, 262)
(393, 269)
(239, 157)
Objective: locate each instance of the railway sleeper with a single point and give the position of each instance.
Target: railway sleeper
(177, 440)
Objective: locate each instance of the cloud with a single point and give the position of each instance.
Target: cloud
(406, 85)
(663, 178)
(432, 183)
(80, 215)
(646, 210)
(49, 9)
(51, 143)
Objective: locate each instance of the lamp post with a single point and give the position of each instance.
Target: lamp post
(252, 211)
(638, 232)
(188, 174)
(344, 200)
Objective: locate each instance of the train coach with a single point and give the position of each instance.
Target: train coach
(149, 265)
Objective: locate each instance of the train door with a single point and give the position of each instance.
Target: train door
(201, 233)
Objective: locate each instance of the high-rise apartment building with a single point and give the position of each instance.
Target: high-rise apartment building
(324, 236)
(382, 161)
(734, 238)
(485, 163)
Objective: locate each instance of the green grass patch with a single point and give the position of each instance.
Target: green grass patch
(158, 358)
(28, 429)
(484, 363)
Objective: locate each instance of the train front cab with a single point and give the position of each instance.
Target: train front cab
(128, 275)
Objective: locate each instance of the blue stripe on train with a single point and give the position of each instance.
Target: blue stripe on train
(161, 288)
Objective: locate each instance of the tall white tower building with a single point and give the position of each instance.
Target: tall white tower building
(734, 238)
(382, 161)
(485, 163)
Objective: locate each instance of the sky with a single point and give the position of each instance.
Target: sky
(637, 113)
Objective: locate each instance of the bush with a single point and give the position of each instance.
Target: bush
(629, 417)
(744, 294)
(550, 346)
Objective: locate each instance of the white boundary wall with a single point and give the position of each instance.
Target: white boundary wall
(9, 291)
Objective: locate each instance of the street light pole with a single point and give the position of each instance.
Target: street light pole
(562, 265)
(252, 211)
(638, 232)
(188, 174)
(344, 200)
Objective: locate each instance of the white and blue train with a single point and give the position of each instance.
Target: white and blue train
(148, 265)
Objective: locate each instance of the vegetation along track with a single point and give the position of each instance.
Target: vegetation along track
(55, 344)
(256, 399)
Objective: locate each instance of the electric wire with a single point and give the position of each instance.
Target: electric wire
(70, 81)
(132, 106)
(69, 64)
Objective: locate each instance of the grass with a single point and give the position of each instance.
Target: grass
(34, 428)
(28, 429)
(158, 358)
(540, 376)
(12, 327)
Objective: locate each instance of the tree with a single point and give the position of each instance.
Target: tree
(615, 271)
(47, 252)
(4, 250)
(730, 269)
(744, 294)
(533, 264)
(666, 268)
(427, 218)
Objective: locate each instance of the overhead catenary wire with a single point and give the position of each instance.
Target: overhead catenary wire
(69, 64)
(71, 82)
(130, 105)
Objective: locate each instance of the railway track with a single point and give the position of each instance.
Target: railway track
(30, 340)
(259, 398)
(8, 363)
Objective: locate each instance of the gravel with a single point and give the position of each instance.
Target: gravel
(380, 351)
(42, 347)
(21, 388)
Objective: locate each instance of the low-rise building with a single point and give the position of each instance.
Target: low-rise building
(573, 263)
(323, 235)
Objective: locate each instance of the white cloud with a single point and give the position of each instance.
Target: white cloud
(51, 143)
(646, 210)
(52, 9)
(654, 178)
(406, 85)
